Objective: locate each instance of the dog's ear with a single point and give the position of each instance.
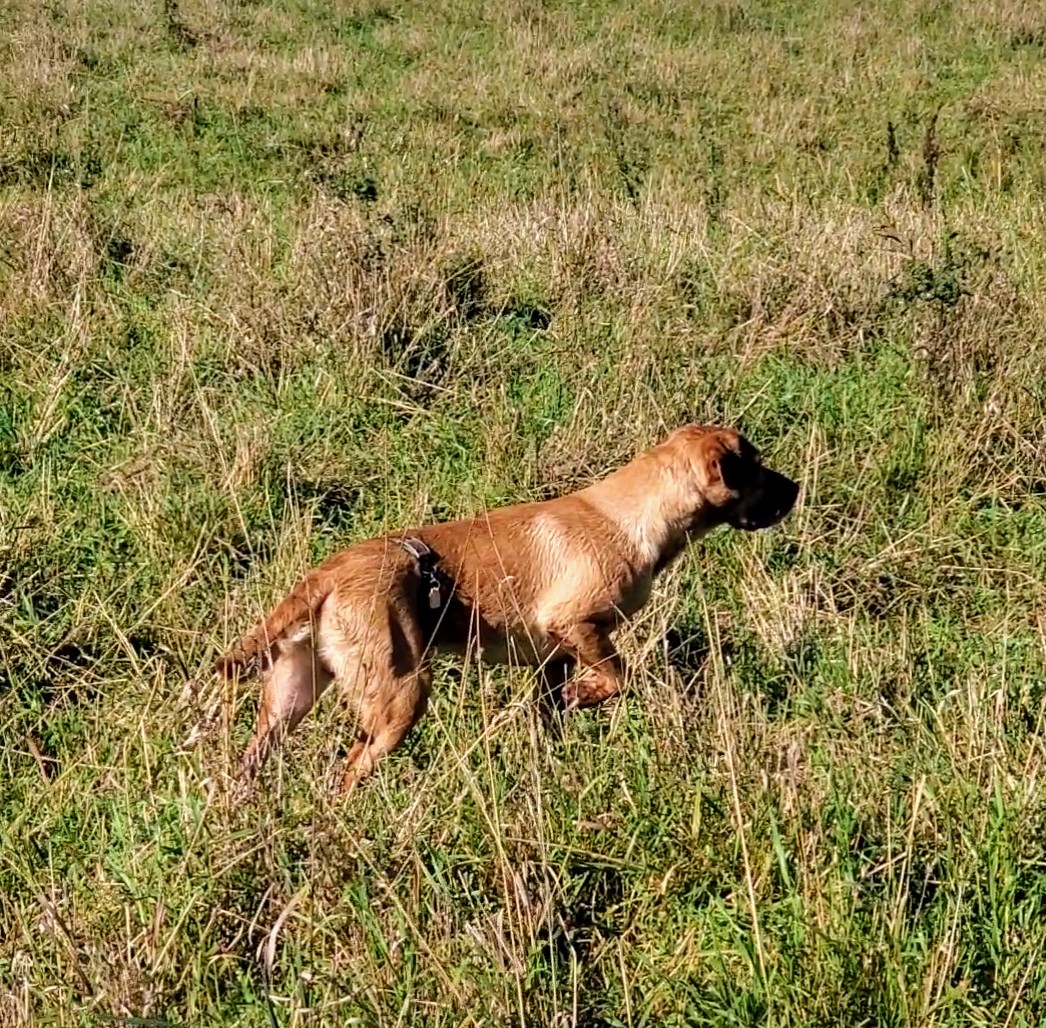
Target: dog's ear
(729, 460)
(714, 466)
(712, 453)
(738, 470)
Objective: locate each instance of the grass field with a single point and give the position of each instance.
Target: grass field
(277, 276)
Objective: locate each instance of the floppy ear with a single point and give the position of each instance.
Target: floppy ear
(710, 461)
(737, 471)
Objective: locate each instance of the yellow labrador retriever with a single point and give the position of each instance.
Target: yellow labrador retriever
(542, 583)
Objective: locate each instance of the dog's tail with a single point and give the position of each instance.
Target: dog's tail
(293, 615)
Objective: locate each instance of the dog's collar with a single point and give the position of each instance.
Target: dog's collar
(426, 561)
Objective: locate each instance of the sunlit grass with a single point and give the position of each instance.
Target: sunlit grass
(276, 277)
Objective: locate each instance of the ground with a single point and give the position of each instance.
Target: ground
(277, 276)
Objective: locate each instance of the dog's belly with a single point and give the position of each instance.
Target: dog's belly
(502, 648)
(518, 648)
(464, 633)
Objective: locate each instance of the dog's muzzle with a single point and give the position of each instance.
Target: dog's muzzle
(767, 505)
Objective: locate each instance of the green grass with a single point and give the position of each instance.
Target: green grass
(275, 277)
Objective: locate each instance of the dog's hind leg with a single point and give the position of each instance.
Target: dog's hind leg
(376, 646)
(391, 707)
(291, 687)
(387, 680)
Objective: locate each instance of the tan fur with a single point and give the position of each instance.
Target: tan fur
(537, 583)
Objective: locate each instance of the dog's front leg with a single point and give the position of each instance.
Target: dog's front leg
(600, 674)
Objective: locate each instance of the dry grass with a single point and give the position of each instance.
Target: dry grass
(276, 277)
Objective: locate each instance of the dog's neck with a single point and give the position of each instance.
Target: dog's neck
(657, 508)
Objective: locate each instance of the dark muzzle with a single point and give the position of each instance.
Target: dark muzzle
(767, 504)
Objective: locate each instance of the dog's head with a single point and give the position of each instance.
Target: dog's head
(733, 480)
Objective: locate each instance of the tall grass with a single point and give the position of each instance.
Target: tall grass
(275, 277)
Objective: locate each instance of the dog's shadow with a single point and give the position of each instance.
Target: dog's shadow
(687, 649)
(688, 654)
(684, 659)
(685, 655)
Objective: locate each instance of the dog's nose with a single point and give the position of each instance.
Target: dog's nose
(786, 492)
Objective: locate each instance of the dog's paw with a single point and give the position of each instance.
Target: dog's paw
(342, 781)
(570, 695)
(588, 690)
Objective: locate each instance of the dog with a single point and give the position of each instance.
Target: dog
(543, 583)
